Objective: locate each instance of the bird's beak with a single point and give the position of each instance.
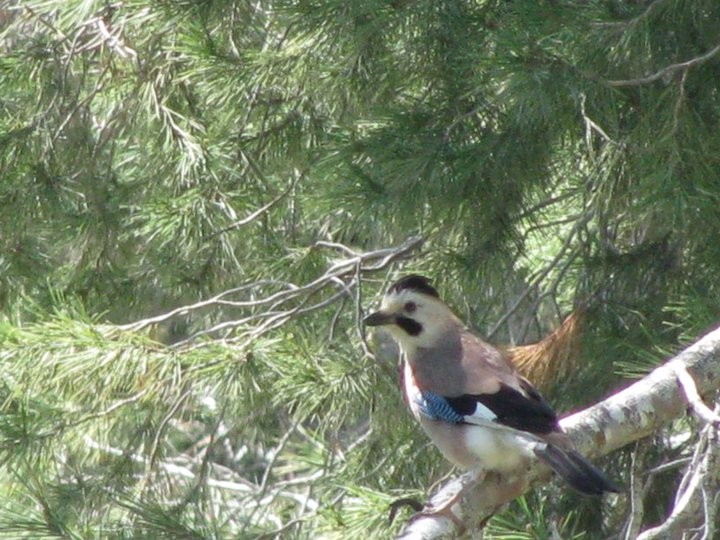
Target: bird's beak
(379, 318)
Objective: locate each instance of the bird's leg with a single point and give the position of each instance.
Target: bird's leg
(444, 509)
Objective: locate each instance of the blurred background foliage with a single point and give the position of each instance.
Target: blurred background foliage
(259, 171)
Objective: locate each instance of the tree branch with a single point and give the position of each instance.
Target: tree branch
(365, 262)
(700, 484)
(257, 213)
(693, 397)
(667, 70)
(629, 415)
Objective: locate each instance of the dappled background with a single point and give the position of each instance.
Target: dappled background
(201, 198)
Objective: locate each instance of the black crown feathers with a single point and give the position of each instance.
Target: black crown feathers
(414, 282)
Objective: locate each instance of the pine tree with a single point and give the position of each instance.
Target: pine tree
(199, 199)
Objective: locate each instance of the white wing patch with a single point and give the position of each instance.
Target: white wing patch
(481, 413)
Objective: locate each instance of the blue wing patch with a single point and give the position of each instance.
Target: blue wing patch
(436, 407)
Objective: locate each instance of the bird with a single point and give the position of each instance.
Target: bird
(468, 396)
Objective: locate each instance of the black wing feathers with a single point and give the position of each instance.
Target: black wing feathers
(512, 408)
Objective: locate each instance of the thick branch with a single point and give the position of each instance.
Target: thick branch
(624, 417)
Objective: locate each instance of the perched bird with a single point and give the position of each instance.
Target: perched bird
(477, 409)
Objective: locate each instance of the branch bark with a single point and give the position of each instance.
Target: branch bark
(628, 415)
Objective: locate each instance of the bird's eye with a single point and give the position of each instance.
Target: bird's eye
(410, 307)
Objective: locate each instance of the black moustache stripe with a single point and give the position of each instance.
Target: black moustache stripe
(411, 326)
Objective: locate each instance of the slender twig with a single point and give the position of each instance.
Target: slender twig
(540, 276)
(335, 245)
(159, 433)
(635, 20)
(114, 42)
(239, 485)
(679, 101)
(112, 408)
(336, 318)
(547, 202)
(84, 102)
(472, 112)
(691, 506)
(637, 508)
(670, 465)
(275, 454)
(257, 213)
(184, 310)
(359, 328)
(546, 224)
(273, 318)
(668, 70)
(591, 125)
(46, 23)
(710, 509)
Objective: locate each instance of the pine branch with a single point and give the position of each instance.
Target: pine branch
(629, 415)
(667, 70)
(235, 484)
(257, 213)
(696, 499)
(298, 297)
(580, 221)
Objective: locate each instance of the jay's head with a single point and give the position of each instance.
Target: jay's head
(413, 313)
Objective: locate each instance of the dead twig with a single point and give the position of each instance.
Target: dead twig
(667, 70)
(694, 508)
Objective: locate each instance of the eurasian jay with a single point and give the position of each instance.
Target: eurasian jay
(476, 408)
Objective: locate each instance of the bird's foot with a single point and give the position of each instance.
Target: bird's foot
(405, 501)
(444, 509)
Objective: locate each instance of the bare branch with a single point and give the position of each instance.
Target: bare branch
(296, 298)
(114, 42)
(692, 506)
(654, 5)
(674, 464)
(153, 455)
(106, 412)
(581, 221)
(590, 127)
(184, 310)
(370, 261)
(257, 213)
(637, 508)
(668, 70)
(335, 245)
(567, 194)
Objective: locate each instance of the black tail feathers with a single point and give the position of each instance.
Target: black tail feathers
(577, 471)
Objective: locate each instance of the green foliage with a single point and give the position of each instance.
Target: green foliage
(157, 154)
(530, 520)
